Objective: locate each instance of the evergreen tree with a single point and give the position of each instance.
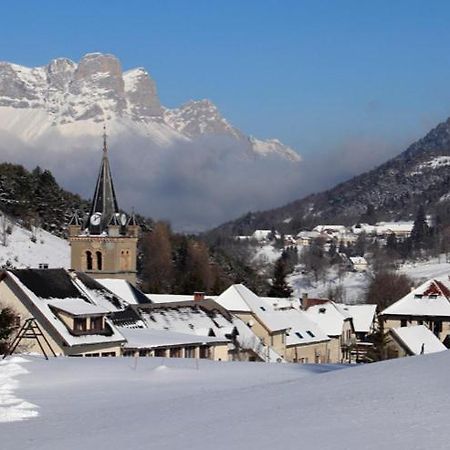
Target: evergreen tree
(420, 231)
(7, 317)
(280, 287)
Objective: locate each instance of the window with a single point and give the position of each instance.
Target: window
(96, 323)
(311, 333)
(298, 335)
(403, 323)
(204, 352)
(160, 352)
(99, 260)
(322, 310)
(79, 324)
(89, 260)
(190, 352)
(175, 352)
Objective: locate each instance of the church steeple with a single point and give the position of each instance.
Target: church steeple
(105, 246)
(104, 203)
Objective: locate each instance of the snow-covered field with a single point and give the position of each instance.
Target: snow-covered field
(355, 284)
(175, 404)
(21, 252)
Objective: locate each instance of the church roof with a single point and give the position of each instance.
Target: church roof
(104, 202)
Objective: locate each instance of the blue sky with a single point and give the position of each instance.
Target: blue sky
(319, 75)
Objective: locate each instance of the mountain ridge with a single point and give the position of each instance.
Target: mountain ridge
(420, 175)
(97, 90)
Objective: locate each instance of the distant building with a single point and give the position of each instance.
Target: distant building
(358, 263)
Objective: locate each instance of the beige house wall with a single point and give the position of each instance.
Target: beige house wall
(334, 348)
(390, 323)
(9, 299)
(217, 352)
(318, 352)
(118, 256)
(276, 340)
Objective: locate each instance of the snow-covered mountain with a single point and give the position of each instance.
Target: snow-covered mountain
(75, 99)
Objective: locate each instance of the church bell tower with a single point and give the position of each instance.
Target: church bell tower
(104, 244)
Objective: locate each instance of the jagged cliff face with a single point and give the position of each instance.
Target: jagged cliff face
(96, 90)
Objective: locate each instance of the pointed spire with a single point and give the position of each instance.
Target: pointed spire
(104, 203)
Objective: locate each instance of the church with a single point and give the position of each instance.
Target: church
(104, 244)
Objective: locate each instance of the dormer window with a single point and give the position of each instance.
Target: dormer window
(418, 296)
(322, 310)
(79, 316)
(433, 296)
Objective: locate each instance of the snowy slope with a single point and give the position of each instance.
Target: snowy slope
(169, 404)
(20, 251)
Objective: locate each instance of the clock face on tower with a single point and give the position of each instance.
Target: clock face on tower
(96, 219)
(123, 219)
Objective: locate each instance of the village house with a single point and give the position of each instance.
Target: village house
(203, 318)
(279, 321)
(358, 264)
(413, 340)
(364, 319)
(428, 304)
(64, 307)
(336, 323)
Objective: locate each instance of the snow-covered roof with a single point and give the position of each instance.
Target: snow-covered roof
(362, 315)
(77, 307)
(301, 329)
(43, 287)
(282, 302)
(169, 298)
(151, 338)
(358, 260)
(234, 298)
(418, 339)
(394, 227)
(329, 316)
(261, 235)
(125, 290)
(238, 298)
(333, 228)
(308, 234)
(204, 319)
(431, 298)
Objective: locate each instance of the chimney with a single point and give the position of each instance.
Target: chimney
(199, 296)
(304, 301)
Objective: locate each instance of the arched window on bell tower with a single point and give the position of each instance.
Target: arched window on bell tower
(88, 260)
(99, 257)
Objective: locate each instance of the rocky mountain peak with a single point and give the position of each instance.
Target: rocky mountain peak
(198, 117)
(96, 89)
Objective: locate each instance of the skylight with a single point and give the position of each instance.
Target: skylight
(299, 335)
(311, 333)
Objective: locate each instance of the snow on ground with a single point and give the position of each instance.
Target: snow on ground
(172, 404)
(22, 252)
(12, 408)
(354, 285)
(422, 271)
(266, 254)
